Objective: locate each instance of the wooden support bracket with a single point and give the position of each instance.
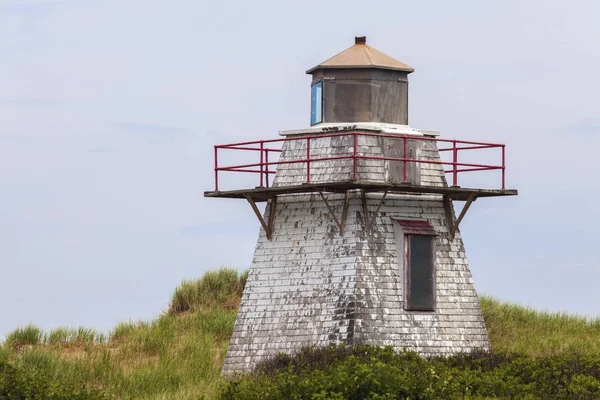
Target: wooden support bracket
(272, 210)
(369, 221)
(380, 202)
(341, 224)
(363, 196)
(267, 226)
(452, 225)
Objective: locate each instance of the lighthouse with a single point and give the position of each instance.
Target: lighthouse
(359, 242)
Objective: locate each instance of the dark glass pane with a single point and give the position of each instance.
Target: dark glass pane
(421, 272)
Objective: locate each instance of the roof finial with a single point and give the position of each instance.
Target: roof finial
(360, 40)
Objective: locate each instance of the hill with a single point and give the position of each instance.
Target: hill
(179, 355)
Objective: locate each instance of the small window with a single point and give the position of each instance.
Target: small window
(316, 103)
(416, 247)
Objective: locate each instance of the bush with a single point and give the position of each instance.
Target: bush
(364, 372)
(221, 288)
(17, 383)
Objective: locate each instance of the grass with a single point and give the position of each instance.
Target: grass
(514, 328)
(70, 337)
(29, 335)
(179, 355)
(223, 288)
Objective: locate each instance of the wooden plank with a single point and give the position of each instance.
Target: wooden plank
(368, 220)
(471, 199)
(272, 211)
(380, 202)
(331, 212)
(258, 214)
(366, 212)
(345, 212)
(449, 214)
(454, 193)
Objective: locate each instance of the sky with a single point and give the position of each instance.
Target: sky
(109, 111)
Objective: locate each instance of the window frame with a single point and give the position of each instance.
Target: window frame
(405, 229)
(407, 279)
(314, 102)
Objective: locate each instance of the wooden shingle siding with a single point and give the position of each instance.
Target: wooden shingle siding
(311, 286)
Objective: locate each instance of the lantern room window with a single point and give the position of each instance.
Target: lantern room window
(316, 103)
(415, 241)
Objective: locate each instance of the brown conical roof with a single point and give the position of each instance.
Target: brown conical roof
(362, 55)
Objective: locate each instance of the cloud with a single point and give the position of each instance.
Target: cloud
(221, 228)
(158, 133)
(26, 5)
(28, 103)
(28, 13)
(150, 128)
(100, 150)
(17, 139)
(587, 126)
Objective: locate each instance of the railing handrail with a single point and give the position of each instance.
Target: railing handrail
(264, 163)
(381, 135)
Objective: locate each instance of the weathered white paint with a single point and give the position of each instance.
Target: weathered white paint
(360, 126)
(309, 285)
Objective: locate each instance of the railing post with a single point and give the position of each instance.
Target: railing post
(308, 160)
(354, 153)
(261, 162)
(267, 166)
(404, 156)
(216, 170)
(454, 167)
(503, 166)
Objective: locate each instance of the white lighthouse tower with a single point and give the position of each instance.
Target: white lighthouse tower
(359, 243)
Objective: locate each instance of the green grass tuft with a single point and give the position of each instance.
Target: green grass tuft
(29, 335)
(220, 288)
(57, 336)
(122, 331)
(64, 336)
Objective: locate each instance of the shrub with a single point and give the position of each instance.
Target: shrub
(364, 372)
(221, 288)
(18, 383)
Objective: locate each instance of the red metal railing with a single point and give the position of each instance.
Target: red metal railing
(262, 146)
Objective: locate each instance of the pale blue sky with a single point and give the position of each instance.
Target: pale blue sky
(109, 111)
